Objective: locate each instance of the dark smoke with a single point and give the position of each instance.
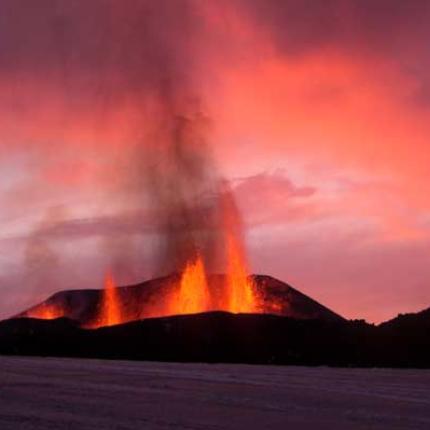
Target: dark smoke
(97, 55)
(184, 186)
(42, 262)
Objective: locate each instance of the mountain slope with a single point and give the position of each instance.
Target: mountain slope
(145, 300)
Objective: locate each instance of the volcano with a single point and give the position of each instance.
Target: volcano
(287, 327)
(150, 300)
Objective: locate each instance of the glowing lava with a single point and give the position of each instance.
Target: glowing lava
(237, 294)
(47, 312)
(240, 292)
(192, 295)
(240, 289)
(110, 313)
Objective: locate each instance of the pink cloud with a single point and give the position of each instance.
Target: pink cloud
(272, 198)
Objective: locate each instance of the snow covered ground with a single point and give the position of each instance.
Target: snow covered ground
(49, 393)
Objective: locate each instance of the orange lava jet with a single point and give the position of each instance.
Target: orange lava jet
(237, 294)
(240, 289)
(193, 292)
(110, 313)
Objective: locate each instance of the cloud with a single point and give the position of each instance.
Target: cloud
(345, 264)
(96, 46)
(263, 198)
(271, 197)
(386, 27)
(84, 71)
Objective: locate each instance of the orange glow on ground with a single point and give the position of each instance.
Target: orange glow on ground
(47, 312)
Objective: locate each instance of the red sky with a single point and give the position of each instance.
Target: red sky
(320, 118)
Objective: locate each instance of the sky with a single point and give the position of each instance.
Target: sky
(319, 118)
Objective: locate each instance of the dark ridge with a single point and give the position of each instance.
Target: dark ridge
(224, 337)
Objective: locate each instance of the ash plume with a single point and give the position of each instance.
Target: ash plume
(97, 59)
(184, 187)
(41, 259)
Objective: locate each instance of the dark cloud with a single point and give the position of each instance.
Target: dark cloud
(381, 26)
(133, 43)
(394, 32)
(96, 50)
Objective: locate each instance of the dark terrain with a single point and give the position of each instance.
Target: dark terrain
(223, 337)
(303, 333)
